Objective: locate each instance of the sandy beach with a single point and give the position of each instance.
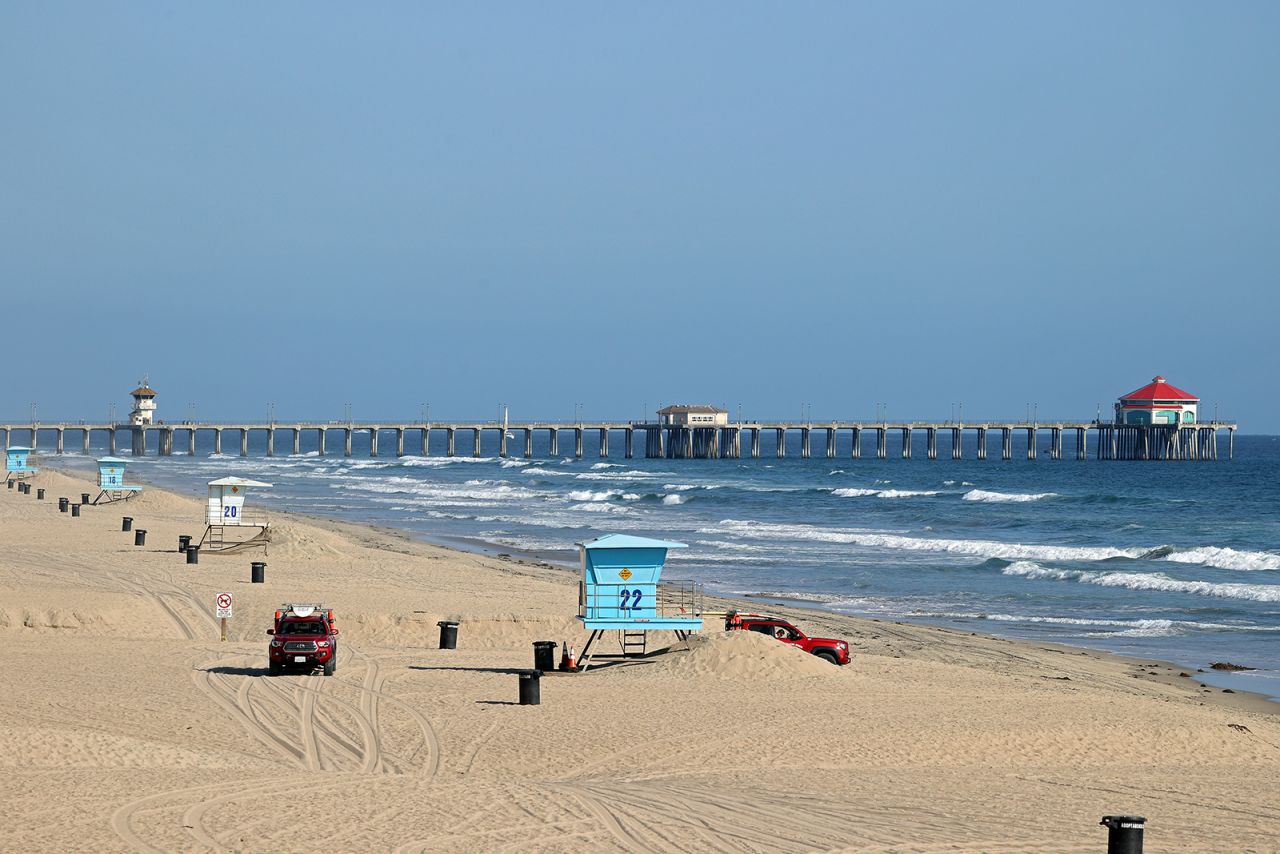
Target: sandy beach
(126, 725)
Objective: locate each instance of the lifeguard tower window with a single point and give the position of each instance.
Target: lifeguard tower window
(621, 590)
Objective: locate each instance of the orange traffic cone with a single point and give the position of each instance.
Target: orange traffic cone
(573, 659)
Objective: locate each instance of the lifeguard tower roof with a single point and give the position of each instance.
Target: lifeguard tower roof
(626, 541)
(116, 460)
(236, 481)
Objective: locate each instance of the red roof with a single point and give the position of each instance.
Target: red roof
(1158, 389)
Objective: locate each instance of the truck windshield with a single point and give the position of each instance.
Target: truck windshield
(302, 627)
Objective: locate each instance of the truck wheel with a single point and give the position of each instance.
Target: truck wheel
(330, 665)
(273, 668)
(829, 657)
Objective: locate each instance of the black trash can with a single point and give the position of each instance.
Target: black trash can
(62, 505)
(9, 483)
(184, 540)
(22, 488)
(140, 537)
(257, 572)
(39, 495)
(530, 689)
(126, 524)
(84, 498)
(1124, 833)
(544, 655)
(193, 554)
(75, 509)
(448, 634)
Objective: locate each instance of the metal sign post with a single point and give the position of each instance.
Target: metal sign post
(223, 605)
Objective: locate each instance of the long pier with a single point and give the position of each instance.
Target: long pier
(661, 441)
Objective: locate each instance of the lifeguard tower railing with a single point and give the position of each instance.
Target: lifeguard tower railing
(673, 600)
(250, 531)
(230, 526)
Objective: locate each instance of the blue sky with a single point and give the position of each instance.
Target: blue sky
(619, 205)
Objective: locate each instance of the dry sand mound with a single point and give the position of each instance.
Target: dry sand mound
(744, 655)
(291, 540)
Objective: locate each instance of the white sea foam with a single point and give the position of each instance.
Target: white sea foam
(436, 462)
(1226, 558)
(427, 493)
(619, 475)
(986, 495)
(603, 466)
(1028, 569)
(601, 507)
(822, 598)
(541, 472)
(1154, 581)
(515, 464)
(1152, 627)
(588, 495)
(877, 539)
(673, 499)
(1163, 583)
(856, 492)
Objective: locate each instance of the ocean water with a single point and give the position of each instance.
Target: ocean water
(1178, 561)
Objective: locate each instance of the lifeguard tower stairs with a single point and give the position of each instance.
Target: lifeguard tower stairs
(621, 590)
(229, 527)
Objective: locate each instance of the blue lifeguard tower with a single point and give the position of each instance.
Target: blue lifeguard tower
(17, 463)
(621, 589)
(111, 481)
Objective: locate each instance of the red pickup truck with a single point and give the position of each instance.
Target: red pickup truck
(304, 637)
(832, 649)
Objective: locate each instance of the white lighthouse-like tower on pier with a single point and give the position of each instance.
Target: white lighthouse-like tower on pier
(144, 404)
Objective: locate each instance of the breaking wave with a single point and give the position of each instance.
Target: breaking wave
(875, 539)
(986, 495)
(1226, 558)
(855, 492)
(1155, 581)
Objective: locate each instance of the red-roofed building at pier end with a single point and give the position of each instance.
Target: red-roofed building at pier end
(1157, 402)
